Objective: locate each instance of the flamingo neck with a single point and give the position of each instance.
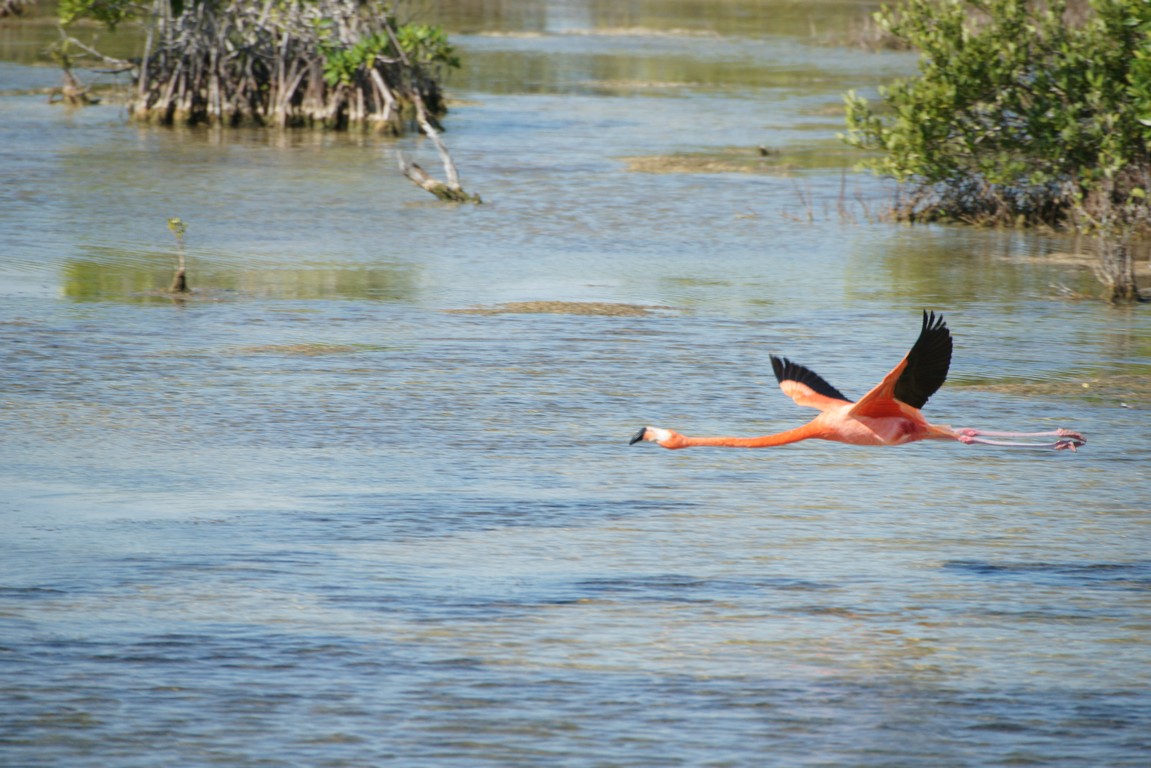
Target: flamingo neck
(766, 441)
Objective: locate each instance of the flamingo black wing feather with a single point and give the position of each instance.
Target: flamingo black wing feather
(927, 363)
(785, 370)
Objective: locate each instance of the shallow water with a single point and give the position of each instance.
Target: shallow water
(313, 516)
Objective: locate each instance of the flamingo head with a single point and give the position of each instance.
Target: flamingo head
(665, 437)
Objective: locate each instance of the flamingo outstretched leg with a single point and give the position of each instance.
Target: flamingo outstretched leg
(1069, 440)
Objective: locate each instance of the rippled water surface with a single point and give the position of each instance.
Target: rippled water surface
(318, 515)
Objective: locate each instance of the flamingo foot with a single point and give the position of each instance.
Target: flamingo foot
(1069, 439)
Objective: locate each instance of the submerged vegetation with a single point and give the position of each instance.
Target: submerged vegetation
(1022, 114)
(600, 308)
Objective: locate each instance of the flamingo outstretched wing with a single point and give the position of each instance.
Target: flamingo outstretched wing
(917, 377)
(805, 386)
(887, 415)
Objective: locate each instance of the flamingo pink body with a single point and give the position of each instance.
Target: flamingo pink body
(887, 415)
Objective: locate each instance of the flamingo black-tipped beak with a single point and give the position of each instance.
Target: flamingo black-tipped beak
(638, 436)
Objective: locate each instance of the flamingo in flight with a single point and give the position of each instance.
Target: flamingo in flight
(887, 415)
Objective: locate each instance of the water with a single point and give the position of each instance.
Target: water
(316, 516)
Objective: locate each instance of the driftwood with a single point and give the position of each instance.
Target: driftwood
(72, 92)
(449, 191)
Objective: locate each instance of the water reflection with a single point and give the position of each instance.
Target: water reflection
(930, 265)
(27, 38)
(619, 65)
(730, 18)
(637, 63)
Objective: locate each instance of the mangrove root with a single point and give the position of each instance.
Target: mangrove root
(324, 64)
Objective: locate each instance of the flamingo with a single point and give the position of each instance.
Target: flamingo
(887, 415)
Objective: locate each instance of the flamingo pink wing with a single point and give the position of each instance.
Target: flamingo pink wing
(805, 386)
(916, 378)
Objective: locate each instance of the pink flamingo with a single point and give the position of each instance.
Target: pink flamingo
(887, 415)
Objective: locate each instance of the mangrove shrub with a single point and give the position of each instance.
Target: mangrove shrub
(319, 63)
(1018, 116)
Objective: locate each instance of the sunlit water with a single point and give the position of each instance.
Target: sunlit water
(313, 516)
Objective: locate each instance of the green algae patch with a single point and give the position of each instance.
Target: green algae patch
(756, 160)
(1126, 390)
(711, 162)
(605, 309)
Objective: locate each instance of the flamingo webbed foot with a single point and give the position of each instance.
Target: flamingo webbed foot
(1073, 435)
